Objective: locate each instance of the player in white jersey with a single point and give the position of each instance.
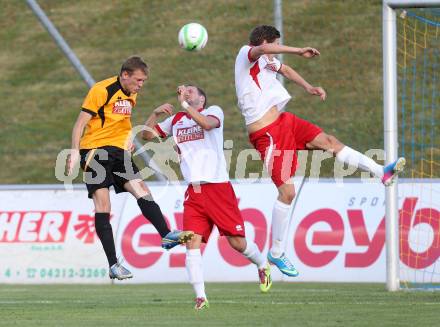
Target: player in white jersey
(277, 134)
(210, 199)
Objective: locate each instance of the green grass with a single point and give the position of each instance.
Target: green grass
(237, 304)
(42, 93)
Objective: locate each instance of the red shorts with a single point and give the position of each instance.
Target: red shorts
(277, 144)
(212, 204)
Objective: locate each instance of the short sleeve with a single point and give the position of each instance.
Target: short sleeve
(94, 100)
(165, 128)
(244, 55)
(273, 65)
(215, 112)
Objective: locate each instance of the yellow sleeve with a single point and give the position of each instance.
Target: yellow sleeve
(94, 100)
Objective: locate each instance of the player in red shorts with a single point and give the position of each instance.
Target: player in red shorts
(277, 135)
(210, 199)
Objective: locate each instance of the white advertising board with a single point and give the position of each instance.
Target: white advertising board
(49, 237)
(337, 233)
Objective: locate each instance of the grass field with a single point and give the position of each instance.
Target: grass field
(237, 304)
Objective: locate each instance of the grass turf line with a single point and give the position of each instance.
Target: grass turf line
(238, 304)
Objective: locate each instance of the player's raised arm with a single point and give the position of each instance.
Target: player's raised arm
(292, 75)
(265, 39)
(151, 131)
(275, 48)
(191, 100)
(206, 122)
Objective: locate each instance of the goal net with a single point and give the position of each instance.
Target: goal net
(418, 88)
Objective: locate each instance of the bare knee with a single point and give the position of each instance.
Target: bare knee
(102, 207)
(143, 189)
(325, 142)
(238, 243)
(286, 194)
(137, 188)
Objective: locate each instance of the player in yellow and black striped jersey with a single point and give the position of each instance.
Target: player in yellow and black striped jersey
(101, 141)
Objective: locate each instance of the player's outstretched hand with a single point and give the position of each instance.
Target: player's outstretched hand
(71, 161)
(309, 52)
(164, 109)
(317, 90)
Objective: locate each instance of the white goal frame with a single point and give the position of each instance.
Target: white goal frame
(389, 46)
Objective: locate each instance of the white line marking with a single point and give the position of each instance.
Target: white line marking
(158, 301)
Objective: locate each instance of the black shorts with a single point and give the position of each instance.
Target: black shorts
(106, 166)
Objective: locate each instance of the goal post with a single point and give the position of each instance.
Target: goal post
(390, 102)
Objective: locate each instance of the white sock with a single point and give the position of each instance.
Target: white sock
(280, 222)
(254, 255)
(356, 159)
(194, 268)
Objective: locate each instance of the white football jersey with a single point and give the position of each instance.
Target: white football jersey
(200, 151)
(257, 86)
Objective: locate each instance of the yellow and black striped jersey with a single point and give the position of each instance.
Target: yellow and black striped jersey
(111, 111)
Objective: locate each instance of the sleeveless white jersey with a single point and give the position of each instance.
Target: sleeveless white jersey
(200, 151)
(256, 85)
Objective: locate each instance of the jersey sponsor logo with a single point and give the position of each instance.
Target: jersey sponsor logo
(239, 228)
(189, 134)
(122, 107)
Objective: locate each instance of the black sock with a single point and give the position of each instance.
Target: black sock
(152, 212)
(105, 233)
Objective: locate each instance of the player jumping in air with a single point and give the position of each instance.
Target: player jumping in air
(104, 157)
(210, 199)
(276, 135)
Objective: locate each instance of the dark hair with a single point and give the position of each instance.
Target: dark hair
(134, 63)
(263, 32)
(201, 92)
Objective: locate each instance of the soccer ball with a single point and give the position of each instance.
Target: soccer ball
(193, 36)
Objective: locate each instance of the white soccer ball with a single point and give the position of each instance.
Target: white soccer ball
(193, 36)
